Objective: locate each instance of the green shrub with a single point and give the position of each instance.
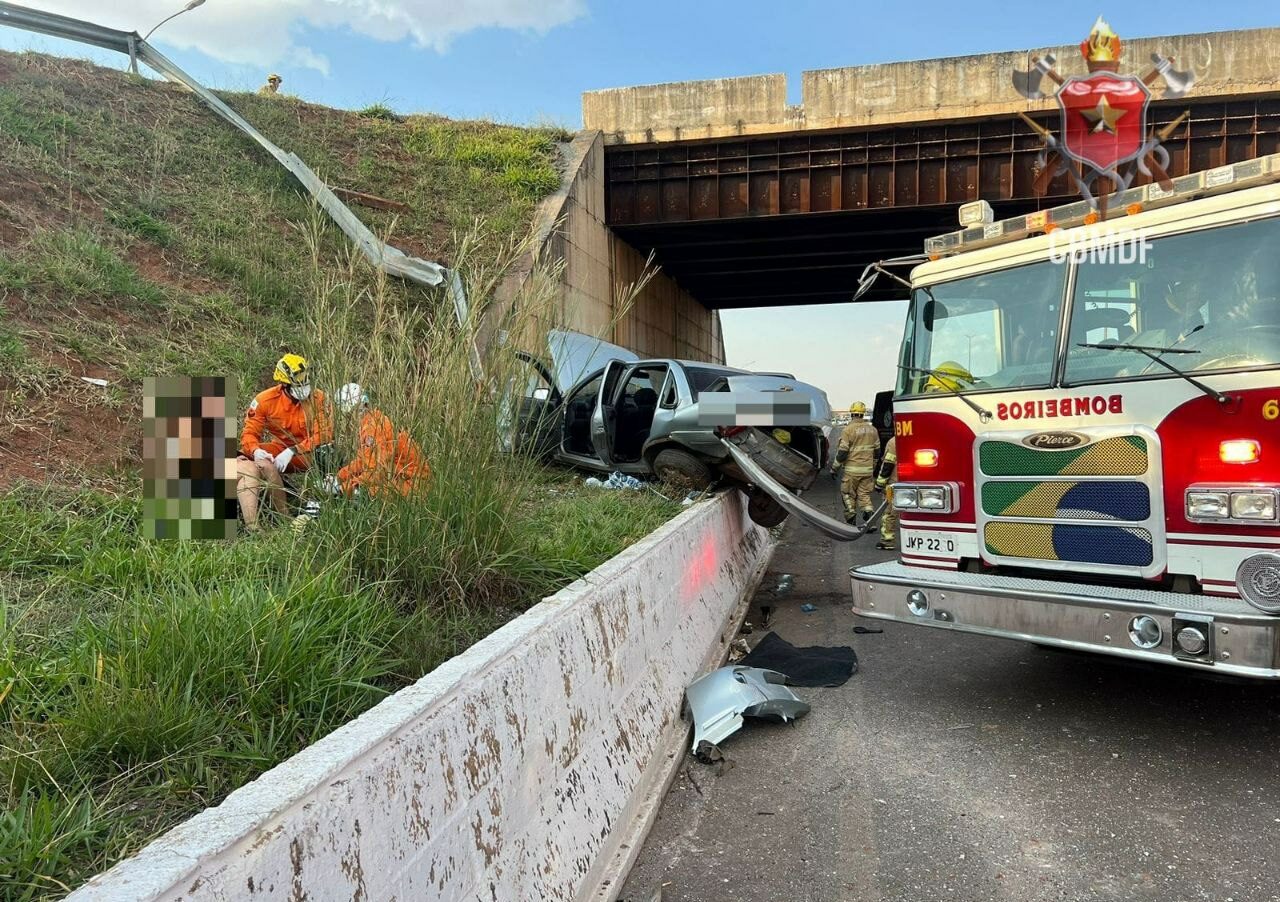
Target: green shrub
(141, 223)
(380, 111)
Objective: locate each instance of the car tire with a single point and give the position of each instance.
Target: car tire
(681, 469)
(764, 511)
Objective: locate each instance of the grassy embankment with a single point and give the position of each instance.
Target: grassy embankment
(141, 681)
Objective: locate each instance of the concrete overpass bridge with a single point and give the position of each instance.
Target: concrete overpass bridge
(745, 200)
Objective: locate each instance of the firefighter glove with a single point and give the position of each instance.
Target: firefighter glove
(261, 455)
(283, 458)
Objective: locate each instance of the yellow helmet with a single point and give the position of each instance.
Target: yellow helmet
(940, 379)
(857, 409)
(274, 77)
(291, 369)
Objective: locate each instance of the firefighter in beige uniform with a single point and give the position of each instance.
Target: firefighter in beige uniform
(888, 522)
(859, 443)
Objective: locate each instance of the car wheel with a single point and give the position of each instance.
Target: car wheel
(681, 469)
(764, 511)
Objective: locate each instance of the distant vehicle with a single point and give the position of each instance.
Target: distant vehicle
(598, 406)
(882, 416)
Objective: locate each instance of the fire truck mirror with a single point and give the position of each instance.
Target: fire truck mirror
(933, 310)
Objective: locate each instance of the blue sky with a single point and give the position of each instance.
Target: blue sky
(528, 61)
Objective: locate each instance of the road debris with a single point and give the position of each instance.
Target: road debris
(370, 200)
(808, 608)
(616, 480)
(719, 700)
(811, 666)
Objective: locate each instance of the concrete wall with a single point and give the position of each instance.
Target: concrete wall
(688, 109)
(1228, 63)
(518, 770)
(663, 321)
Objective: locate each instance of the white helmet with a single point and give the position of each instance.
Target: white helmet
(351, 396)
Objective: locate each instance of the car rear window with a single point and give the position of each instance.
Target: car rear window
(705, 379)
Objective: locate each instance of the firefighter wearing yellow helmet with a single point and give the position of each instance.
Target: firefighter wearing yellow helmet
(856, 453)
(272, 86)
(282, 427)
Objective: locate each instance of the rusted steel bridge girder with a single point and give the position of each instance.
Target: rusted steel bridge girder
(895, 167)
(792, 218)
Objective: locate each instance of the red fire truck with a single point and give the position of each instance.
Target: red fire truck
(1088, 428)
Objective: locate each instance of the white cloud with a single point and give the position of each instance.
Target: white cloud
(264, 32)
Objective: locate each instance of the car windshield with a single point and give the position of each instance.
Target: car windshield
(1213, 297)
(992, 331)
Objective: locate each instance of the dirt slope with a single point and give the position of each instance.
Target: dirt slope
(141, 235)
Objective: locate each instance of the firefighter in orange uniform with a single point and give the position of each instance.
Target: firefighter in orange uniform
(386, 457)
(283, 425)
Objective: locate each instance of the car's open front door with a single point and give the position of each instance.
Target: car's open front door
(604, 422)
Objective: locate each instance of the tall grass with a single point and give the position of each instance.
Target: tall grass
(417, 364)
(142, 681)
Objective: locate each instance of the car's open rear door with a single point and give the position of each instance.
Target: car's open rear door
(604, 421)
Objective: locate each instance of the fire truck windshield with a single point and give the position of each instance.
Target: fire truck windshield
(993, 331)
(1206, 301)
(1212, 296)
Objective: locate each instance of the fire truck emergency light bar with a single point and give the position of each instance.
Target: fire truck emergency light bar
(1246, 174)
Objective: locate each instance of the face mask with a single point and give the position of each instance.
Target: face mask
(300, 392)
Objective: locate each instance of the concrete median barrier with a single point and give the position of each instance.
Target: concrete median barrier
(525, 768)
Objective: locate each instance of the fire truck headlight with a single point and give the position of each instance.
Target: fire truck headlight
(935, 498)
(905, 498)
(1253, 505)
(1208, 505)
(1258, 579)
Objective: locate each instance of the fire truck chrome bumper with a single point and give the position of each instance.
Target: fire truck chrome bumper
(1238, 639)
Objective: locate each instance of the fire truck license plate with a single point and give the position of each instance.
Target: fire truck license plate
(928, 542)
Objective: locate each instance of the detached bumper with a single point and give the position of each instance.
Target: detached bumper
(1239, 640)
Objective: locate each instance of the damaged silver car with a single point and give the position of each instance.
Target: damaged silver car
(598, 406)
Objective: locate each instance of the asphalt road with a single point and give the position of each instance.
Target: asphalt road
(958, 767)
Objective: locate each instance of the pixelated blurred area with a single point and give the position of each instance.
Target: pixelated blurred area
(188, 458)
(752, 408)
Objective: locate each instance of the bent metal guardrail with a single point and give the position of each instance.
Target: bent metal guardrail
(390, 259)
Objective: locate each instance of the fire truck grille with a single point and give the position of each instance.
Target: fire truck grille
(1093, 508)
(1063, 499)
(1124, 455)
(1124, 546)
